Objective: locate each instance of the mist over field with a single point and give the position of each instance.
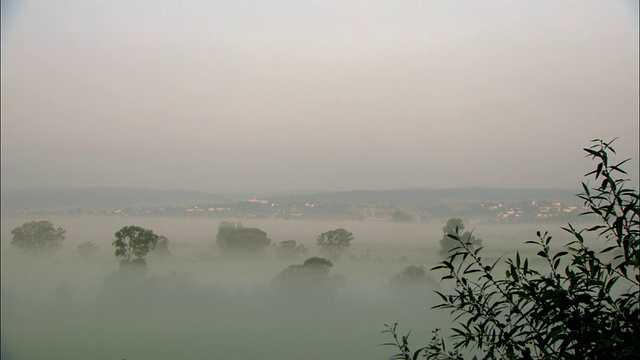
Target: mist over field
(218, 123)
(197, 304)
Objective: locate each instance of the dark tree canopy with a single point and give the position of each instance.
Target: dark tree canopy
(335, 242)
(37, 237)
(456, 226)
(310, 278)
(134, 240)
(411, 275)
(86, 249)
(226, 227)
(317, 262)
(234, 238)
(453, 225)
(290, 249)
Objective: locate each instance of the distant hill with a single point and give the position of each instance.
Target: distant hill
(99, 198)
(415, 196)
(106, 197)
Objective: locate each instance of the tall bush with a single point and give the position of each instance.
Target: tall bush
(583, 305)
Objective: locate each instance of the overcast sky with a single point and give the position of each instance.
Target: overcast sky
(264, 96)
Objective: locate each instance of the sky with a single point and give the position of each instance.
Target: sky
(278, 96)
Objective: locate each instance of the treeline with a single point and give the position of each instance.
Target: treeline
(132, 245)
(529, 211)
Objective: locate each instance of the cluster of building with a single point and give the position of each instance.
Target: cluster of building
(265, 209)
(533, 210)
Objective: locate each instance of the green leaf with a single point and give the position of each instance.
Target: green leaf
(417, 353)
(592, 152)
(608, 249)
(560, 254)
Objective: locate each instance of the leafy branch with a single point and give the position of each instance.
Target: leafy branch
(588, 310)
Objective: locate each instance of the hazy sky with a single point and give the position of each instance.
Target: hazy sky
(259, 96)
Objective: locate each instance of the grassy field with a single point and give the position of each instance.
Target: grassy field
(196, 305)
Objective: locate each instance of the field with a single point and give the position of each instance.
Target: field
(197, 305)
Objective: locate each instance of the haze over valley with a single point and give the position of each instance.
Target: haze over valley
(278, 180)
(250, 97)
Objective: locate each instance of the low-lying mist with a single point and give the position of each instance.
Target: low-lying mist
(197, 304)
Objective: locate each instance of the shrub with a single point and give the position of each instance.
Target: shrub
(290, 249)
(312, 278)
(233, 238)
(86, 249)
(411, 275)
(335, 242)
(37, 237)
(579, 307)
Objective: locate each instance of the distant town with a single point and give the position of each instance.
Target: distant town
(258, 208)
